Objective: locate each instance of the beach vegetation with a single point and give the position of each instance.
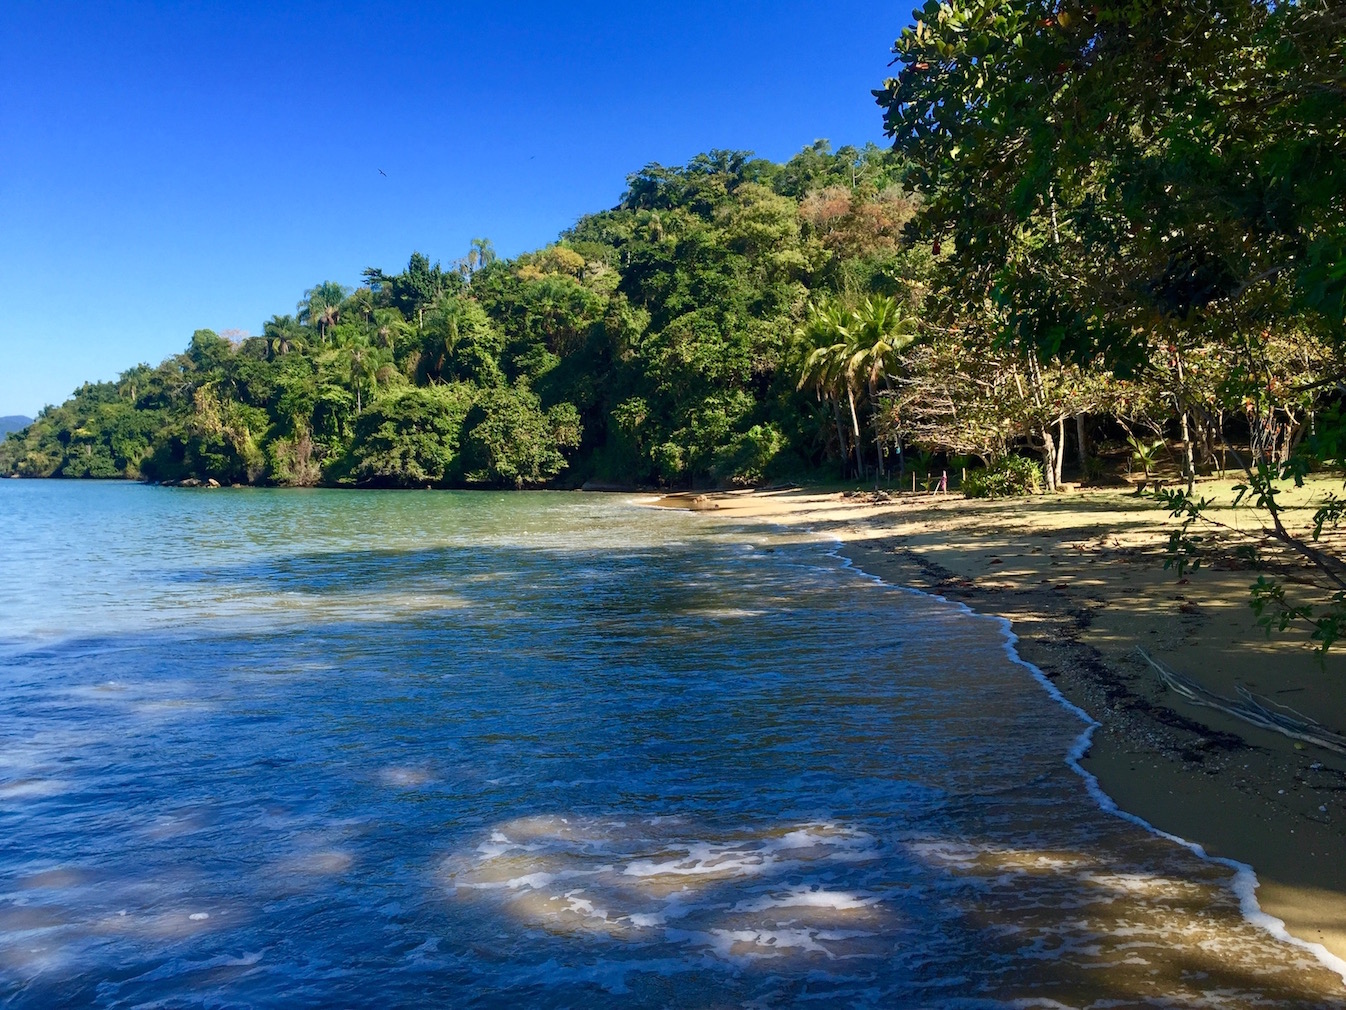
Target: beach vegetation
(1007, 477)
(1146, 454)
(1149, 193)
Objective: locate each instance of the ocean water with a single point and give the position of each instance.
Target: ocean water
(323, 749)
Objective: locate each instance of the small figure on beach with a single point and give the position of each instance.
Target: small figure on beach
(943, 481)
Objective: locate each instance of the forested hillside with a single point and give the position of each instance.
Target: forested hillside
(1105, 238)
(659, 341)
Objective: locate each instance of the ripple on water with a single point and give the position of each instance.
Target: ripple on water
(549, 751)
(837, 904)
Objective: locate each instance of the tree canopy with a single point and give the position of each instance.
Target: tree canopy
(652, 343)
(1141, 209)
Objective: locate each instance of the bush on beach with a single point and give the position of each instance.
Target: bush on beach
(1007, 477)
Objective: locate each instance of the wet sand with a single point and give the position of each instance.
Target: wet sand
(1081, 578)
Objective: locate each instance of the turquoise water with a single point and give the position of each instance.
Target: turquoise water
(324, 749)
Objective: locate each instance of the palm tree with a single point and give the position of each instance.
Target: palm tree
(827, 367)
(444, 332)
(361, 361)
(321, 306)
(390, 328)
(880, 330)
(282, 335)
(364, 365)
(482, 253)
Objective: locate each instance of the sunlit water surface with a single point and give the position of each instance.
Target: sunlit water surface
(317, 749)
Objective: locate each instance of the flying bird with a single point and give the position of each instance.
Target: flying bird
(383, 173)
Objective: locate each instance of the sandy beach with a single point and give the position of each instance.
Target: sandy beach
(1081, 578)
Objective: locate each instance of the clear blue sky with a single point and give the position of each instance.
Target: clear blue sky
(169, 166)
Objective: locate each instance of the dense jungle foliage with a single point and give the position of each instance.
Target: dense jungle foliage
(1142, 211)
(654, 343)
(1120, 229)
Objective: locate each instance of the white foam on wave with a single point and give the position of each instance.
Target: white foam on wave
(742, 945)
(538, 880)
(532, 881)
(401, 777)
(33, 788)
(805, 897)
(750, 859)
(647, 920)
(1244, 883)
(724, 613)
(626, 880)
(583, 906)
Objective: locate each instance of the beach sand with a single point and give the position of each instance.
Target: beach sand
(1081, 578)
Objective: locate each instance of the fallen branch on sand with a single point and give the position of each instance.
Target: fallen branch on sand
(1251, 708)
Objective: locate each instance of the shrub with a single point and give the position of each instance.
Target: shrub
(508, 441)
(745, 460)
(1005, 478)
(669, 461)
(408, 439)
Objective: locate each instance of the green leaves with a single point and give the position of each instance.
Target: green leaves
(412, 438)
(509, 441)
(1176, 155)
(1007, 477)
(1276, 613)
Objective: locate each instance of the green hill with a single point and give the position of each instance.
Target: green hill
(658, 341)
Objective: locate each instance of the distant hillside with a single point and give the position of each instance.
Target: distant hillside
(656, 343)
(14, 422)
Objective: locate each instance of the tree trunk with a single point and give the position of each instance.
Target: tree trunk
(1189, 467)
(1049, 458)
(878, 438)
(1082, 448)
(1061, 447)
(1049, 464)
(897, 439)
(841, 438)
(859, 439)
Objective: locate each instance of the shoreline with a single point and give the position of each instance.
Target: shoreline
(1246, 796)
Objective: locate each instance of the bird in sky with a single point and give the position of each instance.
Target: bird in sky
(383, 173)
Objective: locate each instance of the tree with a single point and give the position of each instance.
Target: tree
(412, 438)
(480, 255)
(283, 335)
(321, 307)
(509, 440)
(880, 330)
(827, 367)
(418, 288)
(1136, 183)
(1112, 172)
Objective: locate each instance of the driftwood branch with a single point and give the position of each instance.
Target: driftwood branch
(1250, 708)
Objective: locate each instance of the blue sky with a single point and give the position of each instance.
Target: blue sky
(169, 166)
